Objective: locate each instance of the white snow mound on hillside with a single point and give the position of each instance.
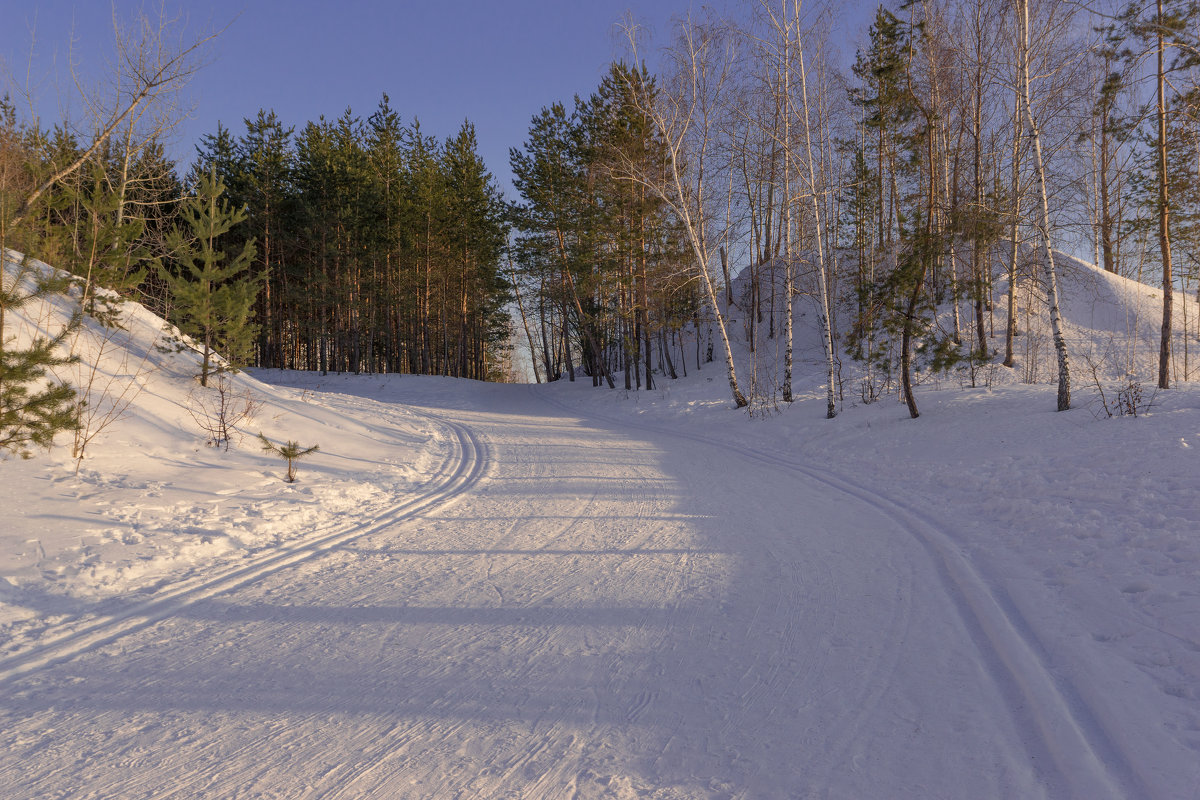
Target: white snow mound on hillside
(152, 501)
(1112, 326)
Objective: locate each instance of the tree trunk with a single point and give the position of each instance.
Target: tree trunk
(789, 290)
(1060, 344)
(822, 279)
(1010, 328)
(1164, 231)
(906, 336)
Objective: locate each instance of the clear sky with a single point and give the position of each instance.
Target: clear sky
(495, 62)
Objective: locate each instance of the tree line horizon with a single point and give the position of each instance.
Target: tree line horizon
(899, 198)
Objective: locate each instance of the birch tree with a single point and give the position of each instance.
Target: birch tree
(686, 117)
(1043, 223)
(787, 50)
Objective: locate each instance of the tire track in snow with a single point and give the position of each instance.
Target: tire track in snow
(1088, 760)
(467, 462)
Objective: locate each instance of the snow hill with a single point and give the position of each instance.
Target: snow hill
(152, 501)
(1073, 540)
(1112, 326)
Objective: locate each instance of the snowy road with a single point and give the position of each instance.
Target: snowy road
(573, 609)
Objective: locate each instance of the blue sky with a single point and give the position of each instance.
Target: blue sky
(496, 63)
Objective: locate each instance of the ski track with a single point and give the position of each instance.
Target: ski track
(540, 625)
(1089, 763)
(462, 468)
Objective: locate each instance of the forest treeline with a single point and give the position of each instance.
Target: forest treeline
(665, 216)
(965, 144)
(377, 248)
(381, 246)
(599, 256)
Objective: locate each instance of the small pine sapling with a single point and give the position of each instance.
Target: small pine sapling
(290, 452)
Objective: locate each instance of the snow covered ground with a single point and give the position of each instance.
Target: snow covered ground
(559, 592)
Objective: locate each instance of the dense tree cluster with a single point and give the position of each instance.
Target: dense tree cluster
(979, 122)
(598, 257)
(380, 247)
(355, 246)
(969, 142)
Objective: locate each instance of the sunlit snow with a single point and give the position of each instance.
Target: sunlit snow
(553, 591)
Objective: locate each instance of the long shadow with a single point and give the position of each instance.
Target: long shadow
(614, 552)
(330, 686)
(698, 672)
(496, 616)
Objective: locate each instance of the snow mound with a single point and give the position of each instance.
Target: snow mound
(152, 501)
(1112, 325)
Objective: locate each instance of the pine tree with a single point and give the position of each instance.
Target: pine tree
(396, 308)
(217, 152)
(33, 405)
(212, 298)
(422, 206)
(547, 176)
(264, 172)
(475, 245)
(108, 255)
(1166, 30)
(896, 303)
(290, 451)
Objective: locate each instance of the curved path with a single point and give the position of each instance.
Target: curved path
(580, 610)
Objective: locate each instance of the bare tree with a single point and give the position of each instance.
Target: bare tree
(782, 50)
(149, 68)
(686, 116)
(1043, 224)
(822, 271)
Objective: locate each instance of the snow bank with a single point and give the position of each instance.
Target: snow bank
(152, 502)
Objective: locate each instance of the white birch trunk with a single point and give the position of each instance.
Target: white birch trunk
(1060, 344)
(789, 280)
(822, 278)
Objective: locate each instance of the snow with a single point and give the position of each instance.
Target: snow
(501, 591)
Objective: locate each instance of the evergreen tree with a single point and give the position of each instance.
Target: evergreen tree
(427, 219)
(108, 255)
(33, 405)
(895, 305)
(475, 244)
(396, 307)
(217, 153)
(264, 166)
(549, 177)
(212, 296)
(153, 199)
(1166, 30)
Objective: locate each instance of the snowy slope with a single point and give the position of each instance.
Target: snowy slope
(1112, 326)
(555, 591)
(151, 501)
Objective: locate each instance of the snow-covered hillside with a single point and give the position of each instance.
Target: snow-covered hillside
(152, 501)
(555, 591)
